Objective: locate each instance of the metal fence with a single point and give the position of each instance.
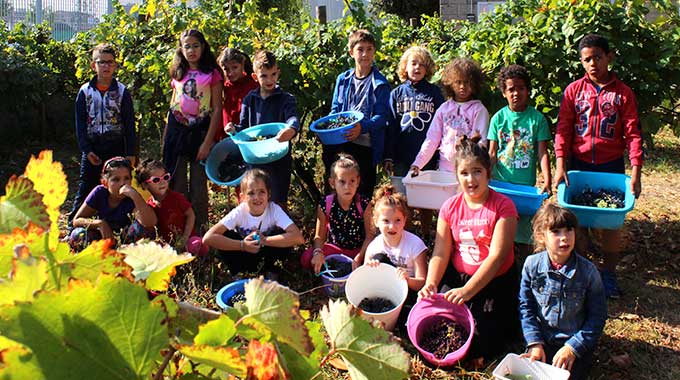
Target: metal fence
(65, 17)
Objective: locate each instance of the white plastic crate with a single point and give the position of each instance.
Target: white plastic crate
(516, 365)
(430, 189)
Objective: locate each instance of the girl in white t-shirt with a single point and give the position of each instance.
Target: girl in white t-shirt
(403, 249)
(257, 229)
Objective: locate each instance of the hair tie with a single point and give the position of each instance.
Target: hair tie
(388, 192)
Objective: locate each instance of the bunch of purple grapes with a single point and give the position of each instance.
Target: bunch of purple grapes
(338, 122)
(602, 198)
(443, 337)
(238, 297)
(376, 305)
(343, 268)
(229, 169)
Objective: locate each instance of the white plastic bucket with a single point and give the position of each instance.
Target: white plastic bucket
(430, 189)
(381, 281)
(516, 365)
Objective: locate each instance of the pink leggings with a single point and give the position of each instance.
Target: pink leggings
(328, 249)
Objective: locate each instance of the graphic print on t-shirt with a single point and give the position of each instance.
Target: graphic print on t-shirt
(469, 250)
(518, 149)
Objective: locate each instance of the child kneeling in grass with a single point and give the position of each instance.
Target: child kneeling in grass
(257, 229)
(562, 301)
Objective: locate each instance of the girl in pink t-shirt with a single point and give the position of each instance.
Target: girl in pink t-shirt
(475, 232)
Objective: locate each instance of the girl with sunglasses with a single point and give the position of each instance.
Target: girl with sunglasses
(113, 209)
(176, 217)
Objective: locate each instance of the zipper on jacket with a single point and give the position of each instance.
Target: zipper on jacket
(593, 130)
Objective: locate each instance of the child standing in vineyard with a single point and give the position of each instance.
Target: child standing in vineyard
(270, 104)
(257, 229)
(105, 213)
(461, 115)
(362, 88)
(412, 107)
(343, 219)
(598, 121)
(174, 212)
(238, 82)
(192, 123)
(518, 135)
(562, 303)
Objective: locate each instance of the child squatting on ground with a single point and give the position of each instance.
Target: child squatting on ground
(194, 118)
(562, 304)
(597, 122)
(254, 231)
(461, 115)
(343, 219)
(106, 210)
(362, 88)
(518, 137)
(173, 211)
(105, 122)
(475, 230)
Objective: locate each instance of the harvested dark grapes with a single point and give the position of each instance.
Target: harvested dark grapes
(376, 305)
(443, 337)
(337, 122)
(259, 138)
(602, 198)
(238, 297)
(230, 169)
(343, 268)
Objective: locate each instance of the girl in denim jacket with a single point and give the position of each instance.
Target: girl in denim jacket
(561, 301)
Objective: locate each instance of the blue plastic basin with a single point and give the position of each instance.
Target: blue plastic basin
(336, 135)
(594, 217)
(225, 149)
(264, 151)
(527, 199)
(228, 291)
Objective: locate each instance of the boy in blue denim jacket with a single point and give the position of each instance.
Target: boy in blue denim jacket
(562, 303)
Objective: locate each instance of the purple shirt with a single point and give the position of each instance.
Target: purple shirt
(117, 217)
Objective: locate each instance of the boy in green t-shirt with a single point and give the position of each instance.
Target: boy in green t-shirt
(518, 137)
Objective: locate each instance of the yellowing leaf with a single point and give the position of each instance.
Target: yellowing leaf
(222, 358)
(33, 238)
(216, 333)
(21, 204)
(28, 276)
(276, 309)
(371, 353)
(154, 263)
(263, 362)
(18, 362)
(50, 181)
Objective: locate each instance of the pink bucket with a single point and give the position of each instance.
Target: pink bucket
(429, 311)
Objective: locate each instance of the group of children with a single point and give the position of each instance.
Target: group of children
(561, 303)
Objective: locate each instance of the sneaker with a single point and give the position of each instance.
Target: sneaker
(611, 285)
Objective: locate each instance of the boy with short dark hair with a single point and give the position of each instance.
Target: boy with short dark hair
(105, 122)
(518, 138)
(598, 121)
(362, 88)
(270, 104)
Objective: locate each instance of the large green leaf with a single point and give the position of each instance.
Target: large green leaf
(23, 367)
(222, 358)
(305, 367)
(277, 309)
(370, 352)
(216, 333)
(28, 276)
(108, 330)
(21, 204)
(153, 263)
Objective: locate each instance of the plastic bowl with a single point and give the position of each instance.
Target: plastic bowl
(594, 217)
(381, 281)
(264, 151)
(228, 291)
(430, 189)
(336, 135)
(225, 149)
(535, 370)
(336, 285)
(527, 199)
(429, 311)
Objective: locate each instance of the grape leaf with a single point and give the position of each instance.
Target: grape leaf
(222, 358)
(33, 238)
(305, 367)
(108, 329)
(23, 367)
(50, 181)
(262, 361)
(370, 352)
(21, 204)
(216, 333)
(28, 276)
(276, 308)
(154, 263)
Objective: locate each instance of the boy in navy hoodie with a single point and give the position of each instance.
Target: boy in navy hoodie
(270, 104)
(362, 89)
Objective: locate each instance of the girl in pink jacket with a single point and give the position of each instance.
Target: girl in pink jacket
(461, 115)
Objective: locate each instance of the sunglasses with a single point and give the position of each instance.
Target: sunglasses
(153, 179)
(115, 162)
